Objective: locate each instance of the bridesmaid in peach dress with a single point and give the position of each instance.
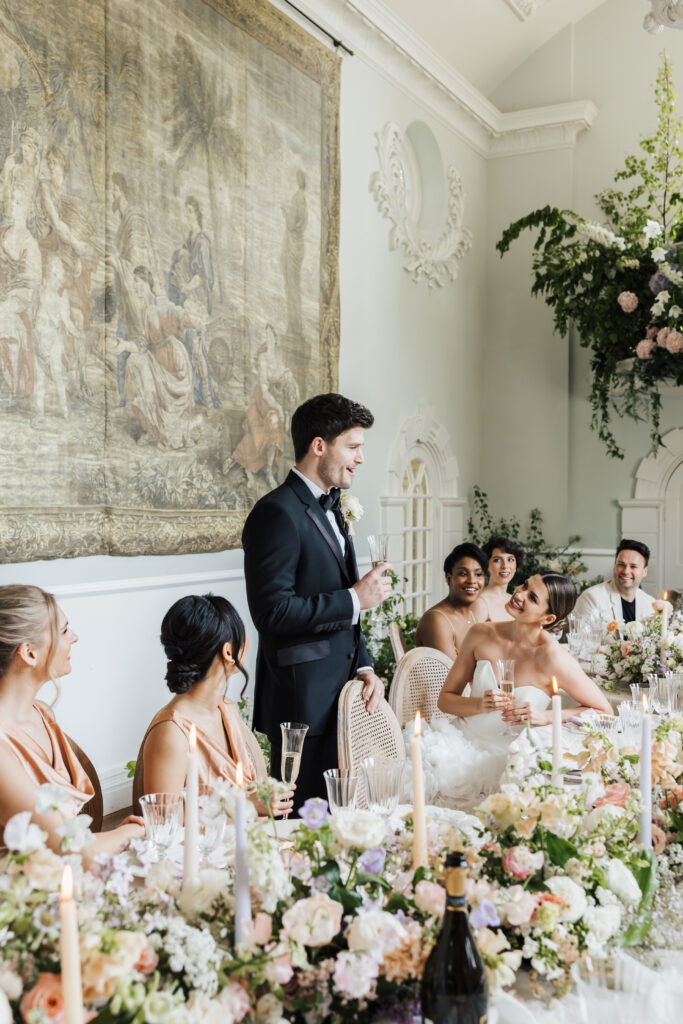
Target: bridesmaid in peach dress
(204, 641)
(35, 645)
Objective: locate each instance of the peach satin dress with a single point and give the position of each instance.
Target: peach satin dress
(213, 762)
(65, 769)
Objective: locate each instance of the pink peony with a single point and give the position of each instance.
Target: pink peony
(662, 335)
(628, 301)
(313, 921)
(626, 648)
(674, 342)
(644, 348)
(616, 795)
(520, 862)
(430, 897)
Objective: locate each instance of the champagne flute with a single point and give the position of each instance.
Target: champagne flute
(379, 547)
(293, 735)
(507, 685)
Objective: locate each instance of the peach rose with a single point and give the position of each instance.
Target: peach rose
(614, 625)
(626, 648)
(45, 995)
(658, 839)
(147, 961)
(616, 794)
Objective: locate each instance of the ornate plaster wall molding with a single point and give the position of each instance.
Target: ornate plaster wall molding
(525, 8)
(663, 14)
(387, 45)
(423, 431)
(434, 263)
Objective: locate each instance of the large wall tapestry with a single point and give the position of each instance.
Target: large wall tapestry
(168, 267)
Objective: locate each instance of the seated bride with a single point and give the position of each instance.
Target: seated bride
(35, 646)
(464, 760)
(205, 642)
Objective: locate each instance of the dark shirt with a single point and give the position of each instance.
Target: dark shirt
(628, 610)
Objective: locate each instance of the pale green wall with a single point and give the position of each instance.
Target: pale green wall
(609, 59)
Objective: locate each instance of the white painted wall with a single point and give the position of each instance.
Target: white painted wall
(401, 348)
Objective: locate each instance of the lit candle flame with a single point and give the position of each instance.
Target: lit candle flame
(645, 703)
(239, 774)
(193, 738)
(555, 686)
(67, 887)
(418, 723)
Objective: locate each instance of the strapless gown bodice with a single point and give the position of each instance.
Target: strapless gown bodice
(464, 758)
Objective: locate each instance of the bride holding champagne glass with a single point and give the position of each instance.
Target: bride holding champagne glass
(465, 758)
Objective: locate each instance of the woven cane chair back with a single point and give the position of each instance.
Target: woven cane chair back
(362, 735)
(417, 683)
(398, 644)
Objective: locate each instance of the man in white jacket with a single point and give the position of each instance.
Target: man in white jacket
(621, 597)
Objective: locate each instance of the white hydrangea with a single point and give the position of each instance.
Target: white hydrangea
(602, 923)
(267, 874)
(192, 951)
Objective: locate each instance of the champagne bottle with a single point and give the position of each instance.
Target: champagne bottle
(454, 989)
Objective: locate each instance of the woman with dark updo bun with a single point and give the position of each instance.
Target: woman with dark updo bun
(205, 642)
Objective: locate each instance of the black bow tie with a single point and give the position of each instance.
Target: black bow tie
(330, 501)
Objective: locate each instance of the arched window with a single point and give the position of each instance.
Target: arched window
(418, 523)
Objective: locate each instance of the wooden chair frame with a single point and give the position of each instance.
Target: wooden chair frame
(417, 683)
(360, 734)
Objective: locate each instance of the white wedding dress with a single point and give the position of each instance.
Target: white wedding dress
(464, 760)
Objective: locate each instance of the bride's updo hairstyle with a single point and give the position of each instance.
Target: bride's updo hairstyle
(25, 613)
(562, 597)
(193, 633)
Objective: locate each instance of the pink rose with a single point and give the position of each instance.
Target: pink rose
(236, 1001)
(279, 968)
(430, 897)
(626, 648)
(662, 335)
(628, 301)
(520, 862)
(644, 348)
(674, 342)
(616, 795)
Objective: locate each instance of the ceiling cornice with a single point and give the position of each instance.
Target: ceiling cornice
(525, 8)
(385, 43)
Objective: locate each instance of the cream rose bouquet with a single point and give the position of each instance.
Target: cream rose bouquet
(631, 651)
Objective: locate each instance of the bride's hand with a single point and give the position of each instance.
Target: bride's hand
(494, 700)
(522, 712)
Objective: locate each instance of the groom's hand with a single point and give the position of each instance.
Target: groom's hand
(374, 587)
(373, 691)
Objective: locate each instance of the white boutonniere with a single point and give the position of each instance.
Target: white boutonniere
(351, 510)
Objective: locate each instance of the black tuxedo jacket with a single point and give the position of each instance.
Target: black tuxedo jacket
(297, 589)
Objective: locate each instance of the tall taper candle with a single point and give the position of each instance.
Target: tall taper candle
(242, 896)
(191, 842)
(665, 628)
(72, 989)
(645, 835)
(419, 821)
(556, 702)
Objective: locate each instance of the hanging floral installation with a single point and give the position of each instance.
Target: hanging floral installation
(620, 283)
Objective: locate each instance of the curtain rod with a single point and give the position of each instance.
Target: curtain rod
(336, 42)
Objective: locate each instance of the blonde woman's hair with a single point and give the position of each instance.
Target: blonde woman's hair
(25, 611)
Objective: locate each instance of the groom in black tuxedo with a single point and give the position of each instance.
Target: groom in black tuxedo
(304, 593)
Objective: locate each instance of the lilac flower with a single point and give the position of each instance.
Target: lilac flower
(658, 282)
(484, 916)
(314, 812)
(372, 861)
(320, 884)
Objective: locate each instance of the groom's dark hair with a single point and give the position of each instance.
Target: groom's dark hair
(326, 416)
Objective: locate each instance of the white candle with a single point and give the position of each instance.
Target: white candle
(645, 835)
(191, 842)
(556, 703)
(72, 989)
(242, 896)
(419, 821)
(665, 627)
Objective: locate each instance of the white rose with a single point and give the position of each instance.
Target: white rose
(603, 922)
(313, 921)
(269, 1009)
(621, 882)
(633, 629)
(197, 897)
(375, 932)
(158, 1007)
(594, 818)
(44, 870)
(21, 835)
(362, 830)
(571, 893)
(519, 905)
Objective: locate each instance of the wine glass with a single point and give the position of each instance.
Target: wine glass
(383, 780)
(161, 814)
(379, 548)
(293, 735)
